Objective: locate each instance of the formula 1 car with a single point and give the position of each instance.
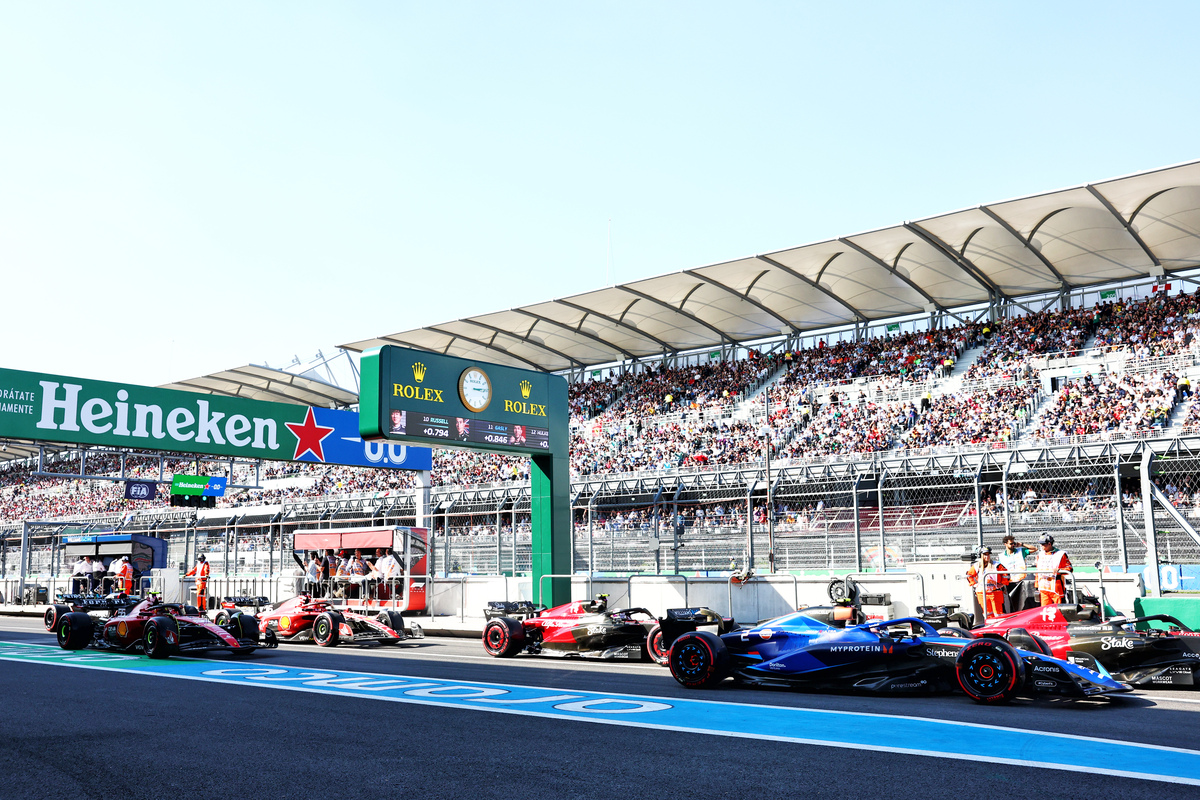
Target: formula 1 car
(1077, 633)
(98, 606)
(584, 629)
(305, 619)
(893, 657)
(159, 630)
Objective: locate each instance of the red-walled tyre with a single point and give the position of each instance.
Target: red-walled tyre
(503, 637)
(659, 653)
(53, 615)
(990, 671)
(699, 660)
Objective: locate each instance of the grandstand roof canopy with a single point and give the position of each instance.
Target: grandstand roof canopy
(254, 382)
(1133, 227)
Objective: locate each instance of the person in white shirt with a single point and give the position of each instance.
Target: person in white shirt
(1013, 559)
(388, 567)
(98, 573)
(81, 574)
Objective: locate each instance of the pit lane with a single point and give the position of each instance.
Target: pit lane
(270, 740)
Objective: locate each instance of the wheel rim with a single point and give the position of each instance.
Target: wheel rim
(692, 659)
(151, 637)
(656, 648)
(322, 632)
(497, 638)
(987, 672)
(64, 633)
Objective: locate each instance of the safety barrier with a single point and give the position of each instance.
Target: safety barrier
(665, 577)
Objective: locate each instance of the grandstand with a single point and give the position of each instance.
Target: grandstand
(911, 390)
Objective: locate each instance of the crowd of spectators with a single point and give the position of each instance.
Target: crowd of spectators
(1013, 343)
(1126, 403)
(1159, 325)
(995, 414)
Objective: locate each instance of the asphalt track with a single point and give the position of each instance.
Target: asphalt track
(67, 731)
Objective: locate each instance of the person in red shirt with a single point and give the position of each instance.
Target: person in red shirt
(201, 571)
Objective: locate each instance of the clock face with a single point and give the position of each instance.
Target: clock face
(475, 389)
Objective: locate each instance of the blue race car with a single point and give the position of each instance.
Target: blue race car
(901, 656)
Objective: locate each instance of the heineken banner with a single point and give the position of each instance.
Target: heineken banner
(200, 485)
(52, 408)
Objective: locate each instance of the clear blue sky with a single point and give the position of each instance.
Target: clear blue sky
(190, 187)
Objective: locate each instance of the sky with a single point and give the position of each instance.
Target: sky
(186, 188)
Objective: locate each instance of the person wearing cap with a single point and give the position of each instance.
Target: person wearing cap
(201, 571)
(122, 571)
(990, 591)
(1013, 558)
(1052, 564)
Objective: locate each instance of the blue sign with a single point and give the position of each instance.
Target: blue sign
(339, 443)
(141, 490)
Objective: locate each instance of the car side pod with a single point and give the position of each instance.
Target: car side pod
(990, 671)
(699, 660)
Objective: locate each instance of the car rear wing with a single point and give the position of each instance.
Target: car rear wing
(238, 601)
(91, 602)
(517, 609)
(679, 621)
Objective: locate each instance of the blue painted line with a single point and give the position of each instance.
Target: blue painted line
(855, 730)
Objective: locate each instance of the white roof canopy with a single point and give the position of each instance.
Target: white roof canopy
(1093, 234)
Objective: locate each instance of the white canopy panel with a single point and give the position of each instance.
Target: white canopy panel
(1093, 234)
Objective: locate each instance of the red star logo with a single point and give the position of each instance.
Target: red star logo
(309, 437)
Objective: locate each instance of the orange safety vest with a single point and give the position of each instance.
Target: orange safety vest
(994, 580)
(125, 577)
(201, 571)
(1048, 567)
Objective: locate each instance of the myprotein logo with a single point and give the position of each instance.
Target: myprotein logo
(63, 409)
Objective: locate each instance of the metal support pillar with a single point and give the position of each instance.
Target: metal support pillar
(750, 526)
(499, 536)
(882, 524)
(978, 513)
(591, 509)
(1122, 552)
(857, 529)
(549, 484)
(1151, 575)
(23, 562)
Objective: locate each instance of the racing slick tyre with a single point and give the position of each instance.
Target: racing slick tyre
(699, 660)
(1022, 638)
(840, 590)
(503, 637)
(222, 618)
(246, 626)
(74, 630)
(160, 636)
(990, 671)
(52, 615)
(394, 620)
(327, 629)
(659, 653)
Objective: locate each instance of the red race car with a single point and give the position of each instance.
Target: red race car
(158, 630)
(585, 629)
(1077, 632)
(305, 619)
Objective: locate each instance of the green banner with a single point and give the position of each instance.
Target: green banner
(54, 408)
(1108, 294)
(893, 327)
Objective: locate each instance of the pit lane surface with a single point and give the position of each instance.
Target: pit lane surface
(193, 736)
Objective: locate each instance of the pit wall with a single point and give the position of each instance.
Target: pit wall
(763, 597)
